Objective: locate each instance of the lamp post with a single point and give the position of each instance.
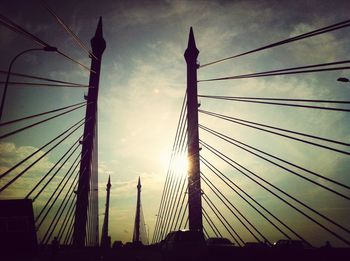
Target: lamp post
(46, 49)
(343, 79)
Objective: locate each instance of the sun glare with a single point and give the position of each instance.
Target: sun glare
(179, 163)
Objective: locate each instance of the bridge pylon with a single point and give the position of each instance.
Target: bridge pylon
(105, 239)
(194, 182)
(98, 45)
(136, 236)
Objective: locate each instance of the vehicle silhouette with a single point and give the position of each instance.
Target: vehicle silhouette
(184, 245)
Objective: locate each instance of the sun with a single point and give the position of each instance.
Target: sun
(179, 163)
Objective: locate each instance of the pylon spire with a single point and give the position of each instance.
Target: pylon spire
(109, 182)
(139, 184)
(98, 43)
(99, 31)
(191, 40)
(191, 52)
(105, 239)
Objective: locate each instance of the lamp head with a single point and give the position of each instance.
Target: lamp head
(50, 49)
(343, 79)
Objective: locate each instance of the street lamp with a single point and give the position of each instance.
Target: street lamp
(46, 49)
(343, 79)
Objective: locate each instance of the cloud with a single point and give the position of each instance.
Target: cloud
(11, 155)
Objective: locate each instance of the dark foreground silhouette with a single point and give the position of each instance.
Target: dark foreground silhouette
(155, 253)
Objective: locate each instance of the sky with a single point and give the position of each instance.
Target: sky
(143, 82)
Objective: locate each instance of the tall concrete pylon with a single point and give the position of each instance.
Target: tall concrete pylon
(98, 45)
(194, 181)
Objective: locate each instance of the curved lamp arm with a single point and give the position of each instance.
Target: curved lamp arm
(46, 48)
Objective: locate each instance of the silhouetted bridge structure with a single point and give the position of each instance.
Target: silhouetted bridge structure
(218, 194)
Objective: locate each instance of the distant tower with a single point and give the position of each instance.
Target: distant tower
(136, 237)
(140, 235)
(105, 239)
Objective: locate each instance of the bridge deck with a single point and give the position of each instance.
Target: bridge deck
(150, 253)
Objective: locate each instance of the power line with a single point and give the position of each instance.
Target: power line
(319, 31)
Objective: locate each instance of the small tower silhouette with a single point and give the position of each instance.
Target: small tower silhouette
(136, 236)
(105, 239)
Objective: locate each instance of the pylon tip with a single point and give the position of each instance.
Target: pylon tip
(191, 40)
(99, 31)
